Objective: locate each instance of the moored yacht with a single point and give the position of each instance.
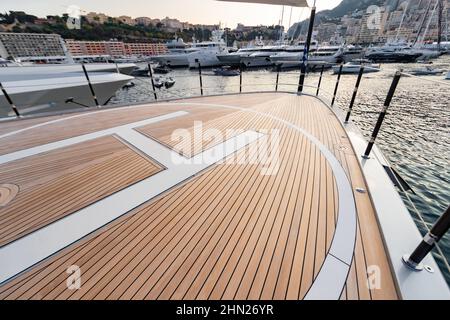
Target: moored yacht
(58, 92)
(393, 52)
(318, 56)
(262, 57)
(354, 67)
(28, 72)
(177, 55)
(56, 87)
(208, 52)
(352, 52)
(234, 58)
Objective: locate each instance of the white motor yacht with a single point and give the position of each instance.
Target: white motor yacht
(35, 95)
(426, 71)
(177, 56)
(207, 52)
(352, 52)
(14, 71)
(234, 58)
(353, 67)
(320, 55)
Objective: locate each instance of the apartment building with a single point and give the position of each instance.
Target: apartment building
(127, 20)
(95, 48)
(27, 46)
(145, 49)
(114, 48)
(94, 17)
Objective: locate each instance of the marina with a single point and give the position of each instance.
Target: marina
(299, 171)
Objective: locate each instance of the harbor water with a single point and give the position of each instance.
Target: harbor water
(415, 136)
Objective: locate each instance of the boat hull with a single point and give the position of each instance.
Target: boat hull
(173, 61)
(206, 60)
(40, 96)
(256, 62)
(229, 59)
(393, 57)
(50, 71)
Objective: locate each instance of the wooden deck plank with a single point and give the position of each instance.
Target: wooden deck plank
(65, 190)
(231, 232)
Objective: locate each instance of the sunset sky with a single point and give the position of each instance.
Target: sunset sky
(194, 11)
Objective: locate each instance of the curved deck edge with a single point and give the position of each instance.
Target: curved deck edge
(392, 215)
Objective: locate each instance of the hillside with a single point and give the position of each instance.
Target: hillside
(345, 7)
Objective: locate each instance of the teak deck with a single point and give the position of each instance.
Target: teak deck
(240, 230)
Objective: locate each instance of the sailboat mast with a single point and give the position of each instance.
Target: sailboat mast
(423, 22)
(401, 22)
(440, 11)
(281, 25)
(429, 21)
(290, 21)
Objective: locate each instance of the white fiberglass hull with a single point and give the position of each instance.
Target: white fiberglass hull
(286, 57)
(206, 60)
(354, 69)
(33, 72)
(172, 60)
(50, 95)
(254, 62)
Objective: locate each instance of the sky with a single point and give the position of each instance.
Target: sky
(193, 11)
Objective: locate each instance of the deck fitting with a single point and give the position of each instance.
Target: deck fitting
(7, 193)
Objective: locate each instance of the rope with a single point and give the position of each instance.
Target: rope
(417, 212)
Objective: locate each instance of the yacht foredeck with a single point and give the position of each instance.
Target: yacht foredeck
(103, 191)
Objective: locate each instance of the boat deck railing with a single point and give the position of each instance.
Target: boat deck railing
(278, 83)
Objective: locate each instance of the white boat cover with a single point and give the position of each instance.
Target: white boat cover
(292, 3)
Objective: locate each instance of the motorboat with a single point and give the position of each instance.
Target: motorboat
(169, 83)
(161, 70)
(353, 67)
(447, 77)
(227, 72)
(141, 72)
(426, 71)
(160, 82)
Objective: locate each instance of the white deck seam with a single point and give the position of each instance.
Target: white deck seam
(35, 247)
(344, 239)
(83, 138)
